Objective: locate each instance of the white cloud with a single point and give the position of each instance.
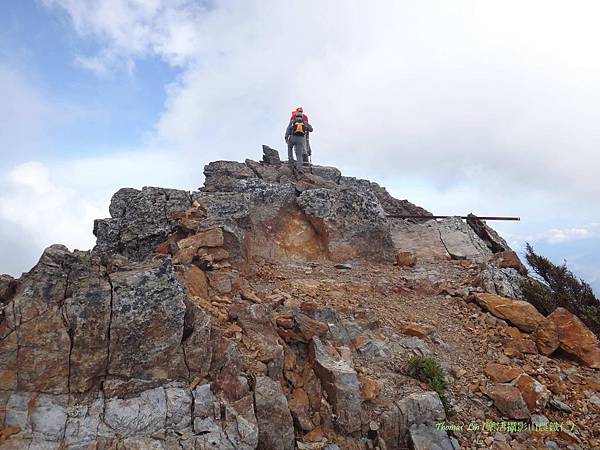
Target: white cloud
(559, 236)
(43, 204)
(487, 93)
(44, 211)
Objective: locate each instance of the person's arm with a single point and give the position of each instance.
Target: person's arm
(288, 132)
(309, 127)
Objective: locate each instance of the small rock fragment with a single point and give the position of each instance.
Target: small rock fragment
(560, 406)
(500, 373)
(508, 400)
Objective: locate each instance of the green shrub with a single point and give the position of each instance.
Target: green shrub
(556, 286)
(539, 295)
(428, 370)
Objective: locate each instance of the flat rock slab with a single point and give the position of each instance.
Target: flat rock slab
(460, 240)
(520, 313)
(421, 239)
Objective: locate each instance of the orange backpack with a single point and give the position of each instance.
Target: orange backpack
(299, 126)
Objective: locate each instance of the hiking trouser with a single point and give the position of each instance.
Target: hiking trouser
(296, 144)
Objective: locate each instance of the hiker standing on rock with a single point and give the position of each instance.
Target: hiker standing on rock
(296, 138)
(307, 151)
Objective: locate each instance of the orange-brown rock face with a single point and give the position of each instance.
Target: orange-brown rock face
(575, 338)
(290, 235)
(546, 336)
(535, 394)
(196, 282)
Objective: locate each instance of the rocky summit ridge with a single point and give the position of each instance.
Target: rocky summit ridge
(271, 311)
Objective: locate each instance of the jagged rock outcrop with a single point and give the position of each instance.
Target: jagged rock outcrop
(161, 337)
(8, 286)
(140, 220)
(505, 282)
(492, 239)
(340, 381)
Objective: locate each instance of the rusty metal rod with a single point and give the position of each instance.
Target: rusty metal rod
(399, 216)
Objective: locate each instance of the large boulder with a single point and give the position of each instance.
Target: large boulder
(509, 260)
(34, 350)
(546, 336)
(501, 373)
(520, 313)
(422, 238)
(56, 338)
(575, 338)
(270, 156)
(267, 172)
(423, 408)
(330, 174)
(87, 307)
(535, 394)
(505, 282)
(418, 415)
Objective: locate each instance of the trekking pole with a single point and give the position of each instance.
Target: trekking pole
(310, 167)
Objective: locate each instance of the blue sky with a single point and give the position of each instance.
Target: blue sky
(458, 106)
(110, 112)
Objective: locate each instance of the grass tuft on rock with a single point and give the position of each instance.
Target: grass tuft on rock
(427, 370)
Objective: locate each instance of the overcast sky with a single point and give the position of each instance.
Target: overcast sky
(489, 107)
